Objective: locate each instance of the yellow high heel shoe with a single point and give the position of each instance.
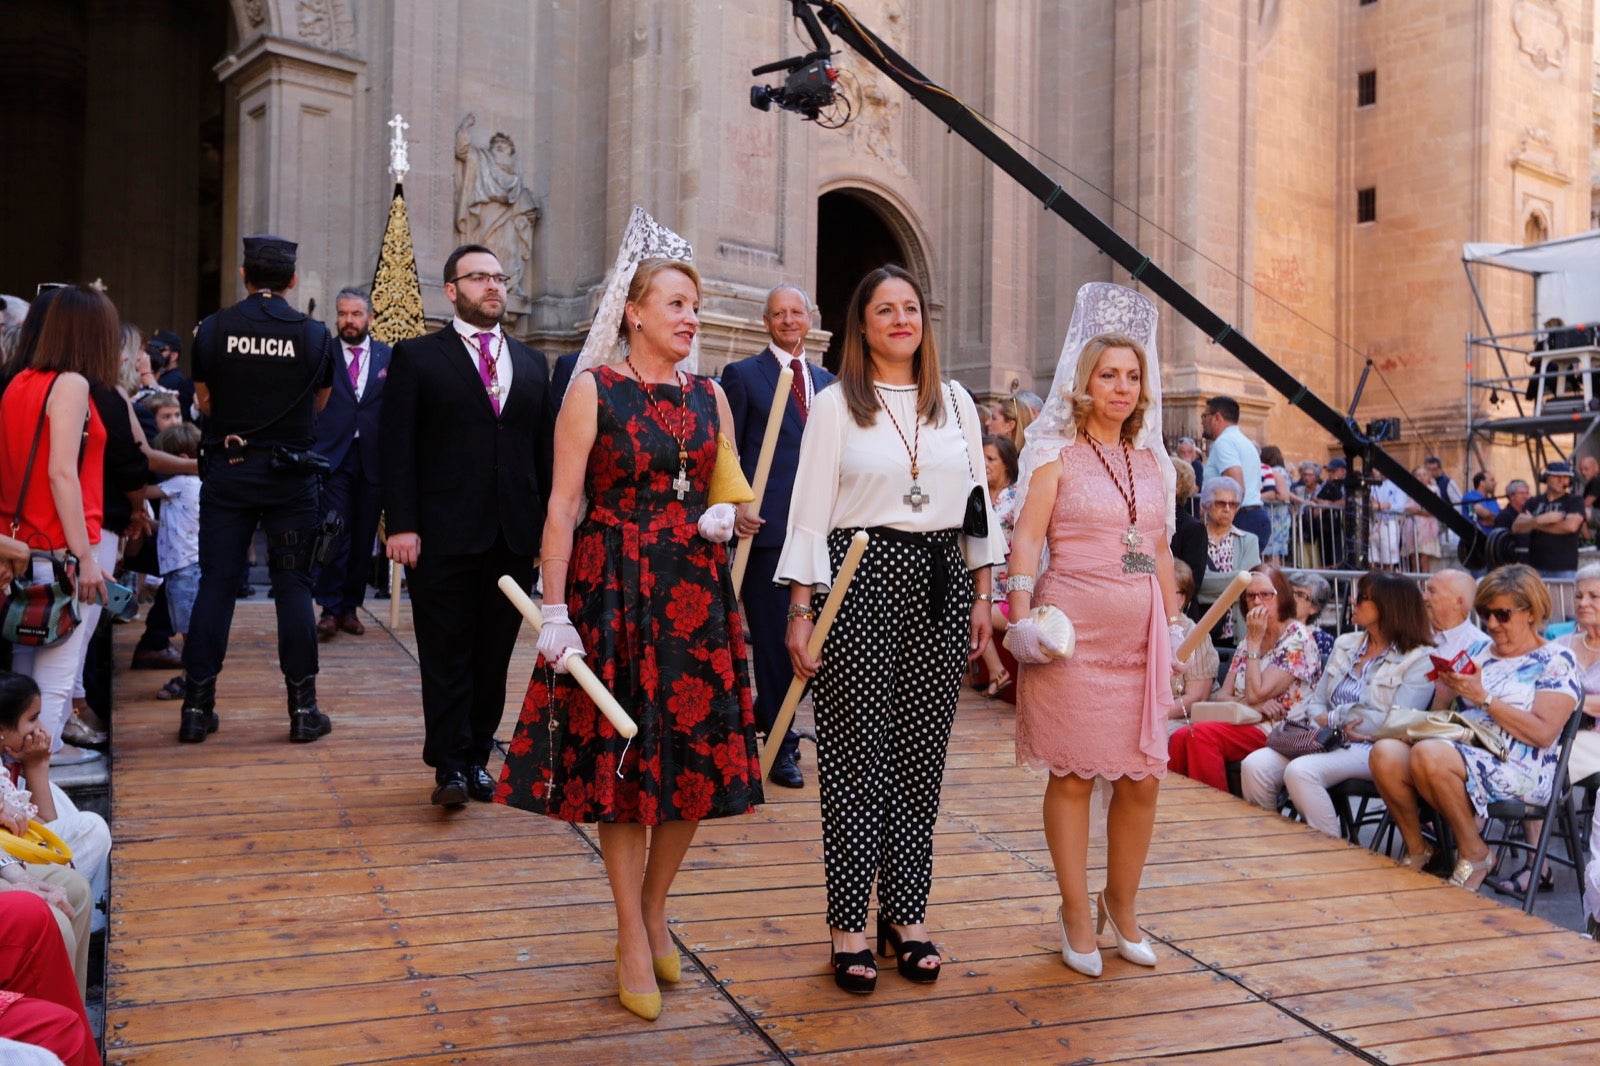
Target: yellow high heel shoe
(646, 1005)
(668, 968)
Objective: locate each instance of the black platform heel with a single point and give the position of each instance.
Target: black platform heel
(908, 954)
(853, 982)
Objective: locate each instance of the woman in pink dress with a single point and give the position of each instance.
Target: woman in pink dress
(1104, 509)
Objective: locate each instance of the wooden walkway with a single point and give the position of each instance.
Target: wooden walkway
(304, 904)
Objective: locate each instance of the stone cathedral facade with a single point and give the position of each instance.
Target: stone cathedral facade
(1310, 170)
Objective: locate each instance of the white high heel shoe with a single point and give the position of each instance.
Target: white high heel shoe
(1085, 962)
(1140, 953)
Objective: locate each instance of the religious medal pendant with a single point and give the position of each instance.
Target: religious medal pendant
(916, 498)
(1135, 561)
(681, 483)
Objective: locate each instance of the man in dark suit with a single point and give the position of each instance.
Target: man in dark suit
(560, 378)
(751, 386)
(466, 475)
(347, 434)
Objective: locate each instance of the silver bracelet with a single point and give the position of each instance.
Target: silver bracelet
(1019, 583)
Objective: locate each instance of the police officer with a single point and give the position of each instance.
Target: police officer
(261, 370)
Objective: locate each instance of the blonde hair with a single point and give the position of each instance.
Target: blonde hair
(1519, 582)
(644, 277)
(1092, 351)
(1185, 472)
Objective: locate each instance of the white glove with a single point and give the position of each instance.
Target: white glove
(1025, 640)
(557, 638)
(716, 525)
(1175, 635)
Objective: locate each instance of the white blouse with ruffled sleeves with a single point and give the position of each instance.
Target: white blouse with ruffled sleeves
(851, 476)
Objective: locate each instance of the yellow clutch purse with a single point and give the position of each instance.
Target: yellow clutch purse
(728, 484)
(40, 845)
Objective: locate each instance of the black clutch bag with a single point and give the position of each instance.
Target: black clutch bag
(975, 523)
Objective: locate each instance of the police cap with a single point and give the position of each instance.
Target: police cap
(165, 338)
(264, 249)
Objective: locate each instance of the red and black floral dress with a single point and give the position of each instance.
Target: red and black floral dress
(654, 604)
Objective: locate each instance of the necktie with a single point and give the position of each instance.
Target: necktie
(354, 368)
(486, 370)
(797, 386)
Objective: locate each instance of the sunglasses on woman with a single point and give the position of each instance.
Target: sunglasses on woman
(1501, 614)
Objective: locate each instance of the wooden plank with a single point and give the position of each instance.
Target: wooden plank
(330, 914)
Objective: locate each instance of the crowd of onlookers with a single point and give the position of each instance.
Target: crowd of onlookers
(98, 472)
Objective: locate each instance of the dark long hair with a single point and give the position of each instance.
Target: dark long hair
(82, 334)
(855, 369)
(17, 692)
(1402, 616)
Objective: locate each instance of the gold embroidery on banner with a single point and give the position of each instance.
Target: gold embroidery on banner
(396, 291)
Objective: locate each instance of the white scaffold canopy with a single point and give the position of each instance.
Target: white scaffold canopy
(1566, 274)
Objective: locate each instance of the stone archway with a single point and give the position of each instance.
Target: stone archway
(857, 232)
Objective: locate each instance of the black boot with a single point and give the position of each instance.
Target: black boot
(306, 720)
(198, 719)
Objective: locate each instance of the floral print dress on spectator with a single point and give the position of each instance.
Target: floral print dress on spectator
(1527, 772)
(654, 604)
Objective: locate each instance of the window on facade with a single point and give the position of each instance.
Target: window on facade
(1366, 205)
(1366, 88)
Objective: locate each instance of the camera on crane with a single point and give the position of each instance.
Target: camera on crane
(807, 90)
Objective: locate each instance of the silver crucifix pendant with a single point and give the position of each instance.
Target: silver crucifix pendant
(1135, 561)
(681, 483)
(916, 498)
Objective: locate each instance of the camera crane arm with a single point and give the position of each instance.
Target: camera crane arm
(1475, 546)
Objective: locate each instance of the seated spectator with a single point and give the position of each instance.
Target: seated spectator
(1479, 504)
(38, 1005)
(25, 747)
(1522, 693)
(1229, 550)
(1383, 663)
(1200, 676)
(1273, 672)
(63, 888)
(1312, 594)
(1584, 644)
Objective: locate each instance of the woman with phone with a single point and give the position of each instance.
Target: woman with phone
(1523, 692)
(1383, 663)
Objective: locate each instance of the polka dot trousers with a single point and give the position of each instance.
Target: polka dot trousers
(885, 699)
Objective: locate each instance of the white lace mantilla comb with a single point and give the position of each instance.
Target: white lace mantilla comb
(645, 238)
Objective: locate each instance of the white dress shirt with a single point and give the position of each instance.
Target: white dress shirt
(805, 370)
(502, 354)
(365, 348)
(850, 476)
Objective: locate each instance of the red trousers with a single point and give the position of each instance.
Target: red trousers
(34, 962)
(1203, 750)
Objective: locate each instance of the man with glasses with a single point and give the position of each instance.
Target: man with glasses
(1234, 455)
(466, 475)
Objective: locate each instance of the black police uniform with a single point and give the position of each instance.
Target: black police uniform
(263, 363)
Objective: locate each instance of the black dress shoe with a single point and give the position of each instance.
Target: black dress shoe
(785, 773)
(451, 790)
(167, 658)
(480, 786)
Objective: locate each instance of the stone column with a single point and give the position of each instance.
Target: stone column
(290, 146)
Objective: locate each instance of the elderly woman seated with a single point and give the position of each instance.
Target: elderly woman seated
(1382, 664)
(1200, 673)
(1272, 673)
(1521, 694)
(1311, 595)
(1228, 551)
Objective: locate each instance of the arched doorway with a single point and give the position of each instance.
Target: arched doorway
(852, 239)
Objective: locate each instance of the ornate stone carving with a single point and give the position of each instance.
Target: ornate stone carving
(494, 207)
(326, 23)
(1541, 33)
(255, 12)
(875, 125)
(1536, 151)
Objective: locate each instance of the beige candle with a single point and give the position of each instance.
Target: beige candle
(575, 665)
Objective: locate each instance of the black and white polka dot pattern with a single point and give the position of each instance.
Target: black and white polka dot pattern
(885, 699)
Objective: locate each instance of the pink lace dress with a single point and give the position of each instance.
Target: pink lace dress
(1102, 712)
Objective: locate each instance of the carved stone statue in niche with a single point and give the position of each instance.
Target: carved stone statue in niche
(494, 207)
